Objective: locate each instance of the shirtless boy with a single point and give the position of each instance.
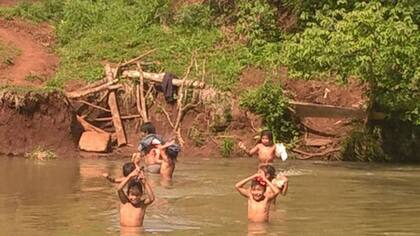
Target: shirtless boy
(133, 205)
(168, 160)
(259, 201)
(265, 148)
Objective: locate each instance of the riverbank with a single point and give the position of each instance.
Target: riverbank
(228, 64)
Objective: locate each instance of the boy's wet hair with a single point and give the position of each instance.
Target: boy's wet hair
(255, 183)
(268, 134)
(148, 128)
(135, 185)
(172, 151)
(269, 170)
(128, 168)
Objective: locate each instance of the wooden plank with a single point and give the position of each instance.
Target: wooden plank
(115, 111)
(304, 109)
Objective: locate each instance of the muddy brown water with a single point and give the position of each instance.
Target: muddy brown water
(69, 197)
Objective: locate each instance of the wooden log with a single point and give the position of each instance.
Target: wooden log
(81, 93)
(158, 77)
(94, 84)
(113, 105)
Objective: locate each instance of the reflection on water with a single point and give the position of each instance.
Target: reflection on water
(69, 197)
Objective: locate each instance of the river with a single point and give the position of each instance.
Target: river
(69, 197)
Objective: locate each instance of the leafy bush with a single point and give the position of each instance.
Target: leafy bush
(378, 44)
(269, 102)
(226, 148)
(257, 21)
(363, 145)
(194, 16)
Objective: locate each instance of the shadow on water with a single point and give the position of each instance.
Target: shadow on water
(69, 197)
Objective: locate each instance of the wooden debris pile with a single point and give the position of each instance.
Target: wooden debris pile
(105, 95)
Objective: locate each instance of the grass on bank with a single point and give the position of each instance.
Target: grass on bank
(8, 53)
(92, 32)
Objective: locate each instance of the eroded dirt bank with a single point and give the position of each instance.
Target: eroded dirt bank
(34, 120)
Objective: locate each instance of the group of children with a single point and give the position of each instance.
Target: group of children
(160, 158)
(265, 185)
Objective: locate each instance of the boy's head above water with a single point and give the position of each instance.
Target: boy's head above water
(258, 187)
(148, 128)
(269, 171)
(266, 138)
(128, 168)
(134, 192)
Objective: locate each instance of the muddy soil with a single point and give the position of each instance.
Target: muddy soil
(35, 120)
(35, 63)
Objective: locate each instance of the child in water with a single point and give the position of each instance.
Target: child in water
(259, 200)
(133, 204)
(168, 160)
(265, 148)
(280, 181)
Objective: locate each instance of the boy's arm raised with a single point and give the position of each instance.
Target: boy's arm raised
(240, 186)
(120, 190)
(275, 190)
(251, 152)
(149, 192)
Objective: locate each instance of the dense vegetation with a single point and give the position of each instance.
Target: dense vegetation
(376, 41)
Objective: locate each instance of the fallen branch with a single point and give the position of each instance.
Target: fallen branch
(310, 155)
(177, 125)
(158, 77)
(93, 105)
(168, 117)
(81, 93)
(142, 101)
(122, 117)
(137, 58)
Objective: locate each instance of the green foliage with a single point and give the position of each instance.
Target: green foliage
(268, 101)
(363, 145)
(193, 17)
(197, 136)
(44, 10)
(256, 20)
(226, 149)
(377, 43)
(41, 154)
